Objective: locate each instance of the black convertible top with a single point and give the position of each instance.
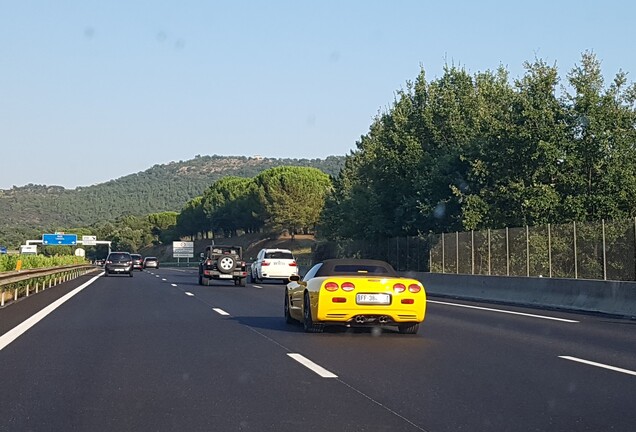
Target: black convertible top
(355, 267)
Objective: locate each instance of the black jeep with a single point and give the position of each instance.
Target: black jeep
(222, 262)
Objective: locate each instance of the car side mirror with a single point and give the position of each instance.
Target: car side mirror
(294, 278)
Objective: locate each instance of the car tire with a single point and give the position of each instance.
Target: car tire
(105, 274)
(288, 317)
(241, 282)
(308, 323)
(130, 273)
(409, 328)
(200, 279)
(229, 263)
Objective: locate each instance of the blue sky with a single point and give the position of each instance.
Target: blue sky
(94, 90)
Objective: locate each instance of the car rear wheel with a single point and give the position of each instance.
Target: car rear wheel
(288, 317)
(308, 323)
(410, 328)
(200, 279)
(254, 276)
(130, 273)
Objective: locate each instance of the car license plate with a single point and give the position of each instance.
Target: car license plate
(119, 270)
(225, 276)
(381, 299)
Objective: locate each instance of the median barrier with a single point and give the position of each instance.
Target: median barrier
(608, 297)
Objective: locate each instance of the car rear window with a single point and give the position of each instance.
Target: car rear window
(119, 257)
(360, 269)
(279, 255)
(151, 259)
(225, 251)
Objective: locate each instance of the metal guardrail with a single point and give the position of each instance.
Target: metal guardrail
(34, 280)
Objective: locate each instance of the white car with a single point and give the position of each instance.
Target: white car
(276, 264)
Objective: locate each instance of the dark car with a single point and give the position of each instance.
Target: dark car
(151, 262)
(222, 262)
(118, 263)
(138, 262)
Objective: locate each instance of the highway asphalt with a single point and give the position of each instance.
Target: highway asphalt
(157, 352)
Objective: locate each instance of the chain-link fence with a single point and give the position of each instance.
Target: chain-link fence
(600, 250)
(591, 250)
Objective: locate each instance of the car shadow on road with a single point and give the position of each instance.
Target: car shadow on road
(269, 323)
(279, 324)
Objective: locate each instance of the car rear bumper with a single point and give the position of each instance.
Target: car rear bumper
(118, 269)
(215, 274)
(371, 315)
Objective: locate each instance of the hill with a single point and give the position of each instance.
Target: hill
(28, 211)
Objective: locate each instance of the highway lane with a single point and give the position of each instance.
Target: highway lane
(153, 354)
(485, 370)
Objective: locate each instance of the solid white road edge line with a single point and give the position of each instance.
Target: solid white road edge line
(601, 365)
(189, 294)
(220, 311)
(25, 325)
(503, 311)
(313, 366)
(174, 285)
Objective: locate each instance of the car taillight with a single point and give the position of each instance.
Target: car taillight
(293, 264)
(264, 263)
(399, 288)
(348, 286)
(414, 288)
(408, 301)
(208, 262)
(331, 286)
(339, 300)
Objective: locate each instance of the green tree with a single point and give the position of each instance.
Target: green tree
(231, 204)
(292, 198)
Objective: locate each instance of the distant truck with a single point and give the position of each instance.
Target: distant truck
(28, 249)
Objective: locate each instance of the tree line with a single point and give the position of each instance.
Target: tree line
(465, 152)
(286, 198)
(29, 211)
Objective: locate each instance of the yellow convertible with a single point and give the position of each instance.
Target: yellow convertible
(355, 292)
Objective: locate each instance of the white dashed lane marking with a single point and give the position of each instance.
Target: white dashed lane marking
(312, 366)
(599, 365)
(164, 279)
(189, 294)
(220, 311)
(174, 285)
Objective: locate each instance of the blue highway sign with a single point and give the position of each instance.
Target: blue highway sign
(59, 239)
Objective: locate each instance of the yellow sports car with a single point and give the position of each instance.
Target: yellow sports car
(355, 292)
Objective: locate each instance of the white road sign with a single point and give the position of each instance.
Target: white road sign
(89, 240)
(182, 249)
